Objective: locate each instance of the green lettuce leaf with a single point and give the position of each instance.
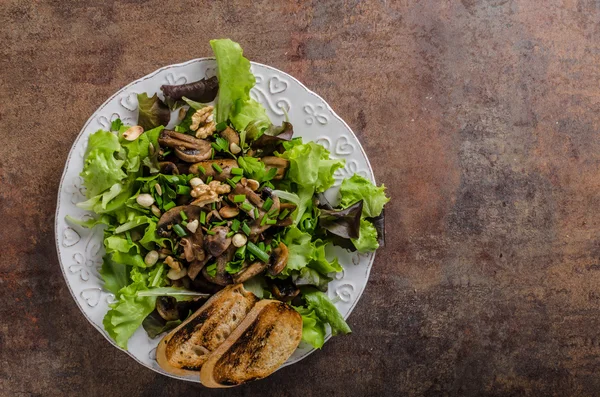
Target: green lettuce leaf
(127, 314)
(234, 75)
(310, 277)
(358, 188)
(325, 310)
(115, 275)
(300, 249)
(152, 112)
(320, 262)
(367, 240)
(313, 329)
(101, 168)
(256, 169)
(249, 111)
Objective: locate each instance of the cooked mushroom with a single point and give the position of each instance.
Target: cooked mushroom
(284, 291)
(258, 226)
(168, 168)
(208, 170)
(215, 244)
(187, 147)
(229, 212)
(230, 135)
(192, 250)
(173, 216)
(221, 276)
(167, 308)
(276, 162)
(196, 266)
(250, 271)
(278, 259)
(201, 284)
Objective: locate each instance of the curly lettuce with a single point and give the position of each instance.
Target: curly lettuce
(358, 188)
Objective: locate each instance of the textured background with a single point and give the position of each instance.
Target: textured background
(482, 118)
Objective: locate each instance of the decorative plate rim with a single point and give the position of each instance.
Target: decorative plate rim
(64, 174)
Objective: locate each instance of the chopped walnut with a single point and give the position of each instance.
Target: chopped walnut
(172, 263)
(203, 122)
(206, 194)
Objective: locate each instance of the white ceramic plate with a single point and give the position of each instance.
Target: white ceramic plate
(80, 250)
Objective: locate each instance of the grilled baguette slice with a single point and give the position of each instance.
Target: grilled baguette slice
(187, 347)
(262, 342)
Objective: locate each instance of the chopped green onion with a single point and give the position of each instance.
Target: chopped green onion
(264, 220)
(209, 179)
(202, 170)
(237, 171)
(210, 232)
(179, 230)
(230, 182)
(183, 215)
(217, 167)
(184, 190)
(246, 207)
(268, 204)
(284, 213)
(239, 198)
(229, 234)
(213, 206)
(220, 223)
(168, 206)
(166, 153)
(212, 153)
(236, 179)
(216, 147)
(202, 217)
(246, 229)
(221, 126)
(184, 223)
(269, 185)
(273, 213)
(255, 212)
(271, 221)
(235, 225)
(261, 245)
(257, 252)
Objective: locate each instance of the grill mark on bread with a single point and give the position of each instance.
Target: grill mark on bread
(190, 345)
(251, 352)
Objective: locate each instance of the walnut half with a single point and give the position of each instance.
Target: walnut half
(203, 122)
(207, 194)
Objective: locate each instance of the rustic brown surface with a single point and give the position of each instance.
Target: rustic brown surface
(482, 118)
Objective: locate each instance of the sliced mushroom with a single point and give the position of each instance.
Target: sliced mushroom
(187, 147)
(284, 291)
(201, 284)
(221, 276)
(192, 251)
(248, 272)
(166, 306)
(196, 266)
(208, 170)
(276, 162)
(251, 196)
(278, 259)
(173, 216)
(256, 227)
(168, 168)
(229, 212)
(215, 244)
(230, 135)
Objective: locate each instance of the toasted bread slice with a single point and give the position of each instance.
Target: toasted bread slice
(187, 347)
(262, 342)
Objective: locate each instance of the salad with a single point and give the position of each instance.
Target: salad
(223, 196)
